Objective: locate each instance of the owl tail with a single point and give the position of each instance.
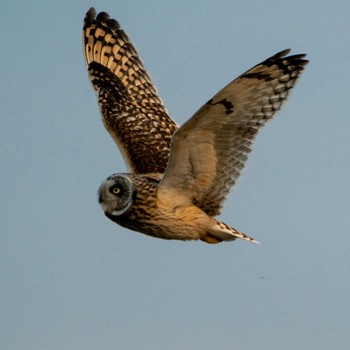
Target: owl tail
(221, 232)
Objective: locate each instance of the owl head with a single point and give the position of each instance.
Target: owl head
(116, 194)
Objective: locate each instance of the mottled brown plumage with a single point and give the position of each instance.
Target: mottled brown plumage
(179, 177)
(131, 110)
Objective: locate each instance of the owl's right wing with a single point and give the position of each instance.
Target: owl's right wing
(209, 151)
(131, 110)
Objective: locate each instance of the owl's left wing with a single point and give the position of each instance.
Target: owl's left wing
(131, 110)
(209, 151)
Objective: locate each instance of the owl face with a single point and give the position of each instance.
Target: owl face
(115, 194)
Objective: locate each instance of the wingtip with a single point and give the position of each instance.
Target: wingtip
(283, 53)
(101, 17)
(90, 15)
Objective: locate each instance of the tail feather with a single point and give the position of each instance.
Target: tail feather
(222, 232)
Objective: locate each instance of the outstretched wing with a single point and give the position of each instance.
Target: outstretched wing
(131, 110)
(210, 150)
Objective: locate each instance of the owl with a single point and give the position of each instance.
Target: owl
(177, 177)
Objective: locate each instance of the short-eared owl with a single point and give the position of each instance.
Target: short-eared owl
(178, 177)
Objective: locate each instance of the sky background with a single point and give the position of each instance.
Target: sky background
(72, 279)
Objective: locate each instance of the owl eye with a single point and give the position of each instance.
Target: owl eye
(115, 190)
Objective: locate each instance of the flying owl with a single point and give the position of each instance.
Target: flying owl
(178, 177)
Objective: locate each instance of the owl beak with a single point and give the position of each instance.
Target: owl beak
(100, 193)
(102, 197)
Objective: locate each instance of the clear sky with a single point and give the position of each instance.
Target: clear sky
(71, 279)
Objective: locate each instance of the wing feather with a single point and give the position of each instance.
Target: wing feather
(131, 110)
(209, 151)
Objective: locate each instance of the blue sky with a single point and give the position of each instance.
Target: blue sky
(71, 279)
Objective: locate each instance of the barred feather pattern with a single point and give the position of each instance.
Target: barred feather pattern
(131, 110)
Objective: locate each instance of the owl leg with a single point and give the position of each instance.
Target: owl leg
(221, 232)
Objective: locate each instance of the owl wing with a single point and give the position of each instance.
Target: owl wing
(209, 151)
(131, 110)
